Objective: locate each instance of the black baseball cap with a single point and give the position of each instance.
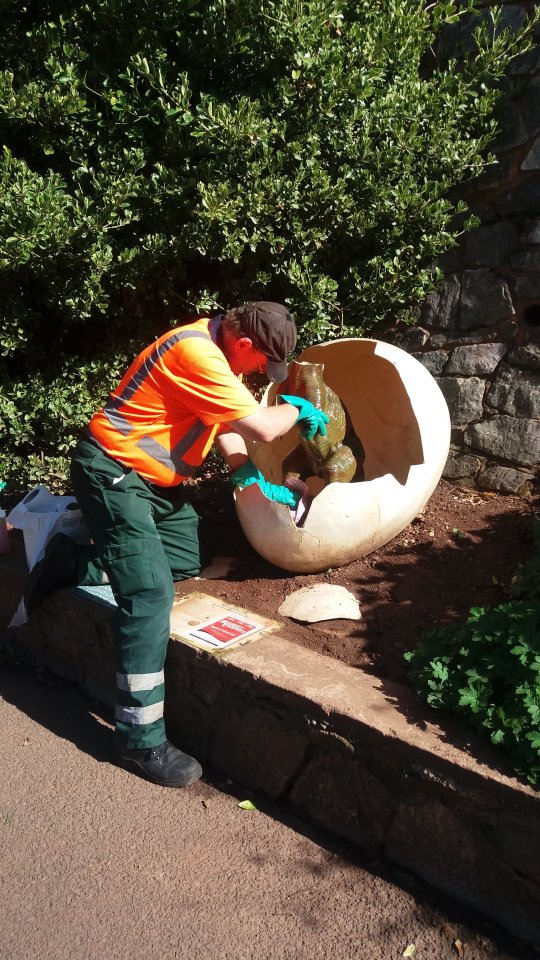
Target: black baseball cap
(273, 331)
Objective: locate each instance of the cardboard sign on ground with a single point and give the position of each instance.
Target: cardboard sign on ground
(211, 624)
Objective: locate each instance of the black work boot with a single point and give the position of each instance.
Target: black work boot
(165, 765)
(58, 568)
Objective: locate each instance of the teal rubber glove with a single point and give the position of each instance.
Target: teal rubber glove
(313, 420)
(248, 473)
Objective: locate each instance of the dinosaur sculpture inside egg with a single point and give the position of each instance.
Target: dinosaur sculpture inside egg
(398, 431)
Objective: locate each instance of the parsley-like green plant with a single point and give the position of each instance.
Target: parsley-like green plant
(487, 670)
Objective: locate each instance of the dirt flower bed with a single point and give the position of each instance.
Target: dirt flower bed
(460, 552)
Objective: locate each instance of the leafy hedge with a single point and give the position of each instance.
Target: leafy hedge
(169, 157)
(487, 670)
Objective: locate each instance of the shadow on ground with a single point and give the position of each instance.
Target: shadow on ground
(62, 708)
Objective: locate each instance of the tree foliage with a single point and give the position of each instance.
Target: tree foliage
(170, 157)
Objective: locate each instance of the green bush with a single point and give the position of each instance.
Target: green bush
(162, 159)
(487, 670)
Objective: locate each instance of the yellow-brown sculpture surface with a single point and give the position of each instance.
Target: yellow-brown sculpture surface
(399, 423)
(325, 456)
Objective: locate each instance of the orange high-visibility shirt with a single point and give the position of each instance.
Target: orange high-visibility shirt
(163, 417)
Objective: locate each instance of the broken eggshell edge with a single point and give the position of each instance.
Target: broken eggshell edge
(321, 601)
(347, 521)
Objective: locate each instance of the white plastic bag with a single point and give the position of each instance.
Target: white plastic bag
(40, 515)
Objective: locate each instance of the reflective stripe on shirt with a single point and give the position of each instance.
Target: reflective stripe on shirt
(111, 407)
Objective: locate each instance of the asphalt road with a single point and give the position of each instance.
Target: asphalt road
(97, 864)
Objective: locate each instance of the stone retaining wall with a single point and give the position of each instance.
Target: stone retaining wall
(355, 755)
(478, 334)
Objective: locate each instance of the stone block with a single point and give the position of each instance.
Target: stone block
(258, 745)
(532, 159)
(512, 131)
(490, 246)
(476, 360)
(450, 261)
(484, 212)
(528, 62)
(527, 355)
(460, 466)
(334, 788)
(406, 337)
(457, 39)
(525, 198)
(432, 360)
(99, 679)
(530, 232)
(510, 438)
(507, 329)
(364, 759)
(513, 16)
(485, 299)
(464, 397)
(441, 341)
(441, 307)
(505, 480)
(529, 106)
(188, 718)
(464, 337)
(206, 685)
(438, 836)
(526, 260)
(452, 851)
(514, 846)
(528, 288)
(494, 175)
(517, 392)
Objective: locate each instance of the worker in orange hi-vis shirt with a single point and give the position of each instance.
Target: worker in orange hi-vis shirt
(179, 396)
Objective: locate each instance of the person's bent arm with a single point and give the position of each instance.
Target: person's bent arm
(232, 448)
(266, 424)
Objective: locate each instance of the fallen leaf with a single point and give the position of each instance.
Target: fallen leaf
(247, 805)
(458, 947)
(409, 951)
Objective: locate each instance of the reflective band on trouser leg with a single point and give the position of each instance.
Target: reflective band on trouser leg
(146, 692)
(120, 520)
(141, 624)
(139, 681)
(140, 714)
(139, 709)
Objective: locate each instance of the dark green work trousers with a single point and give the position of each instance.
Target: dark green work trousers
(145, 537)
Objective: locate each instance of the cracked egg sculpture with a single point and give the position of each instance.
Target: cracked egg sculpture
(386, 447)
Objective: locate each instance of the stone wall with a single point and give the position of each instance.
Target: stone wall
(479, 332)
(353, 754)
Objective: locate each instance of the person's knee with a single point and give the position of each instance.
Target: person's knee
(137, 567)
